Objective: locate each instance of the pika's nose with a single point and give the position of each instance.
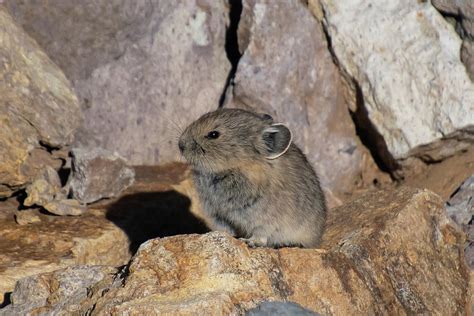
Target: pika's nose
(181, 145)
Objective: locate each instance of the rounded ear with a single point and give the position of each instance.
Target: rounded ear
(277, 139)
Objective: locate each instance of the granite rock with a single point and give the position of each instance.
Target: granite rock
(463, 10)
(405, 59)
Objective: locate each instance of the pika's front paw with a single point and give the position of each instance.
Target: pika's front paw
(254, 242)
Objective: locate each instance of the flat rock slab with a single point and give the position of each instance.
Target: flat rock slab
(58, 242)
(389, 252)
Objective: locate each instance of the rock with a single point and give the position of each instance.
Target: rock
(38, 108)
(405, 59)
(280, 309)
(66, 207)
(142, 69)
(58, 242)
(72, 286)
(463, 10)
(287, 71)
(389, 252)
(44, 189)
(25, 217)
(98, 174)
(460, 206)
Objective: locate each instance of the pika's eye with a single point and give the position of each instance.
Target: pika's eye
(213, 135)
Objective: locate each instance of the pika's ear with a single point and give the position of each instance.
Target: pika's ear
(277, 139)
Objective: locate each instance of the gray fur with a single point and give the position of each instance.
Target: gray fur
(244, 191)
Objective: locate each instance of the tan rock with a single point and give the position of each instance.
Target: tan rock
(66, 207)
(26, 217)
(38, 107)
(389, 252)
(44, 189)
(58, 242)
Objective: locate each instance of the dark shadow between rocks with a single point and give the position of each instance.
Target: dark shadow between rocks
(6, 300)
(148, 215)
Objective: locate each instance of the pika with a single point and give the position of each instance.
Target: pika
(252, 181)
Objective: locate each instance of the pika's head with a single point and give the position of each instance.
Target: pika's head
(228, 138)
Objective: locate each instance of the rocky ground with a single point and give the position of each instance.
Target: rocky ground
(97, 216)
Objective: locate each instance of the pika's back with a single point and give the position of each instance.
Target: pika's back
(252, 181)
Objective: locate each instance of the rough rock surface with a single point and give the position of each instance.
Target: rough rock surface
(389, 252)
(460, 206)
(405, 58)
(97, 174)
(44, 189)
(140, 67)
(57, 242)
(280, 309)
(287, 71)
(64, 290)
(38, 108)
(463, 10)
(66, 207)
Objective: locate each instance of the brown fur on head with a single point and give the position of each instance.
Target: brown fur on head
(227, 138)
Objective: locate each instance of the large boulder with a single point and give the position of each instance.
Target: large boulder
(388, 252)
(463, 11)
(406, 60)
(142, 69)
(287, 71)
(39, 111)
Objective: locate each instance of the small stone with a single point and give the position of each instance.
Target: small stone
(66, 207)
(280, 309)
(460, 206)
(44, 189)
(25, 217)
(98, 174)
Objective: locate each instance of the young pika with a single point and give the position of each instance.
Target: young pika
(253, 182)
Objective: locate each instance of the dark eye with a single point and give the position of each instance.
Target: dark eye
(213, 134)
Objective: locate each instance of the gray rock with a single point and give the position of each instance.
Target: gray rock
(280, 309)
(142, 69)
(460, 206)
(463, 10)
(39, 111)
(57, 293)
(97, 174)
(405, 57)
(287, 71)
